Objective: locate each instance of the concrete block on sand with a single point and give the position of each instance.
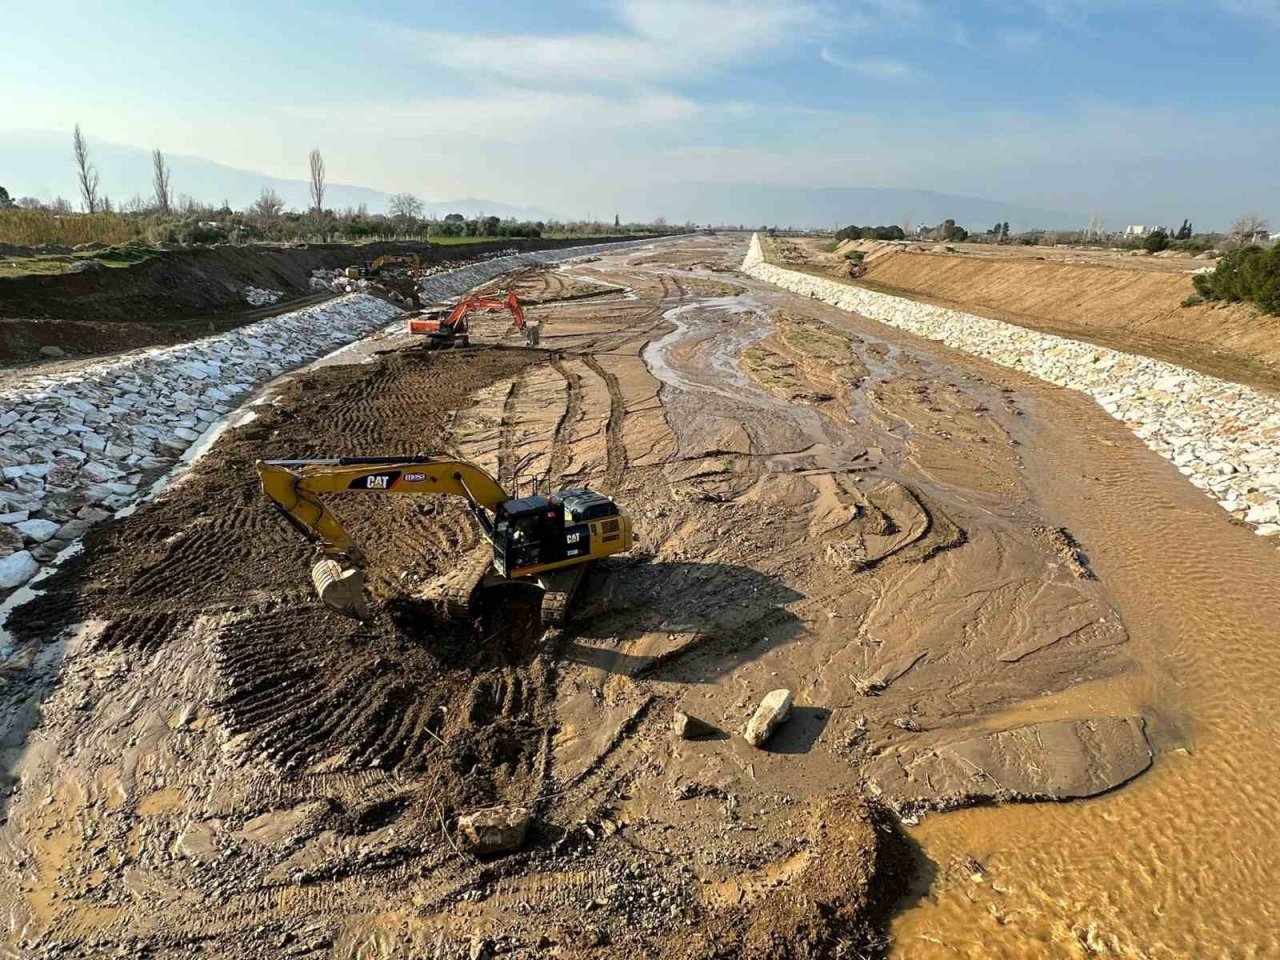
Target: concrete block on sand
(773, 711)
(501, 830)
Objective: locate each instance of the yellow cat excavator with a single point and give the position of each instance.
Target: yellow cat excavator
(543, 541)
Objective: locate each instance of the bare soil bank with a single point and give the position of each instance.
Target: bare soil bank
(178, 295)
(1128, 308)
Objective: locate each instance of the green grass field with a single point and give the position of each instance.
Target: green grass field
(56, 263)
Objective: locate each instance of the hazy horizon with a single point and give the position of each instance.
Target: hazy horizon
(1133, 110)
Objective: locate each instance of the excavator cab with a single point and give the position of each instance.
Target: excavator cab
(537, 530)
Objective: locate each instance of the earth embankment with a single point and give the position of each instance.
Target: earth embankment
(177, 295)
(1120, 306)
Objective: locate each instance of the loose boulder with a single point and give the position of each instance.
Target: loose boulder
(501, 830)
(37, 530)
(691, 728)
(16, 569)
(773, 711)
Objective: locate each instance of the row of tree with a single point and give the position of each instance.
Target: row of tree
(166, 217)
(854, 232)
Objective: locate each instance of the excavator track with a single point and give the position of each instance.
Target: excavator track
(558, 589)
(455, 592)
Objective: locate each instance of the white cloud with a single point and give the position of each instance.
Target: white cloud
(661, 40)
(878, 67)
(510, 114)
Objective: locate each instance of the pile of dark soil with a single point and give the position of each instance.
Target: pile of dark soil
(178, 295)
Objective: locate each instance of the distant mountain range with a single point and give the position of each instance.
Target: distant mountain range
(37, 163)
(755, 204)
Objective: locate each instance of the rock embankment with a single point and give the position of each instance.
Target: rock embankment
(75, 447)
(1224, 437)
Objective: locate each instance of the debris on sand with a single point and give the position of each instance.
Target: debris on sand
(691, 728)
(499, 830)
(773, 711)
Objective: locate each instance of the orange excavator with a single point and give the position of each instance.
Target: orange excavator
(451, 329)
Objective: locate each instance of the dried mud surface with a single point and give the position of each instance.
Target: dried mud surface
(224, 769)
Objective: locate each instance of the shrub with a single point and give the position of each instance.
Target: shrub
(1250, 273)
(1156, 241)
(854, 232)
(33, 228)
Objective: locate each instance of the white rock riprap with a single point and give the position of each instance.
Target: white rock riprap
(259, 297)
(75, 446)
(1224, 437)
(442, 281)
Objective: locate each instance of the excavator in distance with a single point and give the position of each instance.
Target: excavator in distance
(541, 541)
(373, 268)
(446, 330)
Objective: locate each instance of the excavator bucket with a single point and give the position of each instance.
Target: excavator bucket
(342, 591)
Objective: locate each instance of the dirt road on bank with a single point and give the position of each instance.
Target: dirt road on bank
(977, 587)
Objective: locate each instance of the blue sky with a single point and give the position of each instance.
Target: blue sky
(1151, 108)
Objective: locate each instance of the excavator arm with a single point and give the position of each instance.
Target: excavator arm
(295, 487)
(456, 323)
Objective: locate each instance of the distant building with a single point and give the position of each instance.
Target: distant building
(1137, 230)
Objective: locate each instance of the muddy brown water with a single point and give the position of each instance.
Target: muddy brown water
(1184, 862)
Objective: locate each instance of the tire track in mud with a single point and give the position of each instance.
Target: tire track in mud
(615, 445)
(561, 453)
(506, 440)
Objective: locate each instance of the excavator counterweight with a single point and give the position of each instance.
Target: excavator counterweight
(542, 541)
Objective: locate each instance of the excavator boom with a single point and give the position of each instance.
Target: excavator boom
(295, 486)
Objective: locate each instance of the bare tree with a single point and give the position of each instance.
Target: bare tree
(268, 206)
(405, 205)
(86, 172)
(160, 181)
(317, 180)
(1248, 226)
